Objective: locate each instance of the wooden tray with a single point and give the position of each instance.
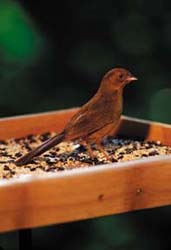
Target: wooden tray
(83, 193)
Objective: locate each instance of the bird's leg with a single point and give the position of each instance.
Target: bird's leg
(101, 149)
(89, 149)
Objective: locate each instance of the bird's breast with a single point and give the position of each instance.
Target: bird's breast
(113, 107)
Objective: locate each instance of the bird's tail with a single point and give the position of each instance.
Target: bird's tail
(40, 149)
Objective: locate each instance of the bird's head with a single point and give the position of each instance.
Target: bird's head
(117, 78)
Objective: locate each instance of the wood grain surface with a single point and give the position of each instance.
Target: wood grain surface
(86, 192)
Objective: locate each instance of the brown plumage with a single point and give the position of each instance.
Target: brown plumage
(95, 120)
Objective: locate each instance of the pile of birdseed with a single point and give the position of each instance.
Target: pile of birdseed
(70, 155)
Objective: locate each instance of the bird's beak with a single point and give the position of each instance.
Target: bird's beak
(131, 78)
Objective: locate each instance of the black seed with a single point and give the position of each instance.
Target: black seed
(18, 140)
(70, 158)
(3, 148)
(3, 142)
(31, 138)
(128, 150)
(61, 168)
(33, 169)
(39, 166)
(74, 154)
(110, 151)
(18, 154)
(53, 154)
(27, 147)
(51, 170)
(120, 156)
(63, 158)
(50, 161)
(27, 166)
(56, 149)
(4, 154)
(6, 167)
(144, 155)
(32, 162)
(153, 153)
(96, 161)
(114, 160)
(86, 160)
(148, 146)
(12, 157)
(45, 136)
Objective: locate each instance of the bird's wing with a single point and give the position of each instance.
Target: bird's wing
(90, 118)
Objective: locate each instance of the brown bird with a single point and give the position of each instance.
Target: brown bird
(95, 120)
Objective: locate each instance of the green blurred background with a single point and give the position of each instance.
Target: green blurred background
(53, 55)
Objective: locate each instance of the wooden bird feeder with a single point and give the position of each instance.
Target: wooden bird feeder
(83, 193)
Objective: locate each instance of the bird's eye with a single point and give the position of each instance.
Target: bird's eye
(121, 76)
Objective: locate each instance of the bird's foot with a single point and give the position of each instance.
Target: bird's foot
(89, 149)
(101, 149)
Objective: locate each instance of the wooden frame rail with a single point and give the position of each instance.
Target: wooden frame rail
(83, 193)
